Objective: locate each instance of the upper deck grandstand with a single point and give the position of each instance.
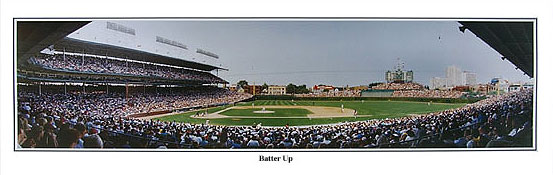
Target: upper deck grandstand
(101, 70)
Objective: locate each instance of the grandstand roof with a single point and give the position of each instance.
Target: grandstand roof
(76, 45)
(34, 36)
(513, 40)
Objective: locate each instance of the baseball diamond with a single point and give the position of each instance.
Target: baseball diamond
(323, 112)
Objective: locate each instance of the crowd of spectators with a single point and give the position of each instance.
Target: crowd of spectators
(344, 93)
(117, 104)
(398, 86)
(53, 121)
(415, 90)
(113, 66)
(428, 94)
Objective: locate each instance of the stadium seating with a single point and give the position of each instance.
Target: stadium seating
(90, 64)
(415, 90)
(344, 93)
(502, 120)
(427, 94)
(398, 86)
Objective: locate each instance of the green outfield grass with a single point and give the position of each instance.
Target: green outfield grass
(185, 117)
(377, 110)
(290, 112)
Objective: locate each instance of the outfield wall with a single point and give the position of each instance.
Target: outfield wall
(377, 93)
(436, 100)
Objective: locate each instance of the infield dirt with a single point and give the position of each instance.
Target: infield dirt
(317, 112)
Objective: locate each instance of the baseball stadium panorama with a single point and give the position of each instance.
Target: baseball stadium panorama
(84, 93)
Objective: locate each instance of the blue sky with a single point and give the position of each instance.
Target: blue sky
(324, 52)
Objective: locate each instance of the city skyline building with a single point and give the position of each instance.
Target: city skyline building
(469, 78)
(438, 82)
(454, 76)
